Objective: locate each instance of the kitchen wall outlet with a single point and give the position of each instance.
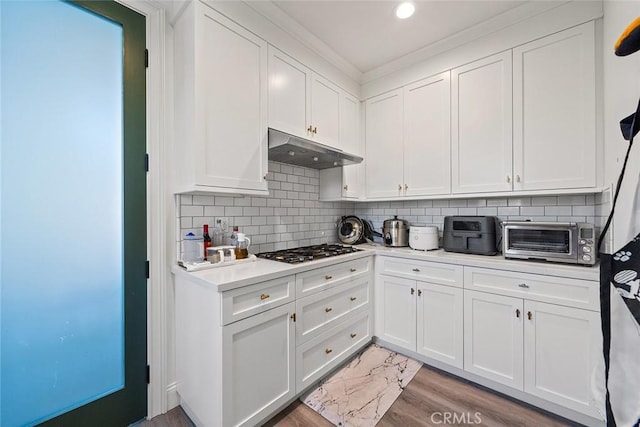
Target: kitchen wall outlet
(224, 223)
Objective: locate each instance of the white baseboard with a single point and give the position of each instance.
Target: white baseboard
(173, 399)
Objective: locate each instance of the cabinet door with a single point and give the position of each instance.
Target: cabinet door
(384, 176)
(258, 356)
(562, 346)
(350, 142)
(427, 141)
(232, 106)
(325, 111)
(493, 337)
(481, 125)
(440, 334)
(397, 311)
(554, 111)
(289, 94)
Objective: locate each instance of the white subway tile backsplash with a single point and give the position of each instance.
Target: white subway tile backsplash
(557, 210)
(544, 201)
(293, 215)
(190, 210)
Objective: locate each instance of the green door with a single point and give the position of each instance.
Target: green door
(73, 281)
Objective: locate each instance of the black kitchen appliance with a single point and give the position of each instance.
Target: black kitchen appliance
(307, 253)
(353, 230)
(472, 234)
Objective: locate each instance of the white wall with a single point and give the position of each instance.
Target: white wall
(621, 93)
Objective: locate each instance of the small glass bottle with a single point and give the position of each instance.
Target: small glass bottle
(206, 238)
(218, 234)
(233, 239)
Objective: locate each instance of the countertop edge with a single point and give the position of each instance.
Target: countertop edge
(226, 278)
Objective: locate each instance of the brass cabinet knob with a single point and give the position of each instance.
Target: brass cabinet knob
(518, 313)
(346, 187)
(310, 129)
(353, 298)
(293, 317)
(399, 187)
(328, 309)
(419, 292)
(529, 315)
(264, 296)
(517, 178)
(406, 187)
(412, 291)
(508, 178)
(328, 277)
(315, 130)
(328, 350)
(353, 335)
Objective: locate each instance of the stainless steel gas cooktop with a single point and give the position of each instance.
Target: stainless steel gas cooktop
(307, 253)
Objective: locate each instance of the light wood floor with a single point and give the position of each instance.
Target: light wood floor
(428, 396)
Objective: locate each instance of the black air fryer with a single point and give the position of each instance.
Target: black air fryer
(471, 234)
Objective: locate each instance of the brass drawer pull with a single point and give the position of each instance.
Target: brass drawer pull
(416, 270)
(419, 292)
(346, 187)
(412, 291)
(353, 270)
(353, 298)
(264, 296)
(328, 309)
(523, 285)
(353, 335)
(310, 129)
(328, 277)
(518, 313)
(529, 315)
(327, 350)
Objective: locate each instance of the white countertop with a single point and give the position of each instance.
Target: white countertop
(235, 276)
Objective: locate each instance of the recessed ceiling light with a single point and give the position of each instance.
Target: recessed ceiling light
(405, 10)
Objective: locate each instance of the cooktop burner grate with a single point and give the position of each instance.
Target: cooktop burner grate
(307, 253)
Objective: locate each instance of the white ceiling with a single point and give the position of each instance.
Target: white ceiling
(367, 34)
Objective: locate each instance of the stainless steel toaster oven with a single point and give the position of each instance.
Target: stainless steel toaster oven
(568, 242)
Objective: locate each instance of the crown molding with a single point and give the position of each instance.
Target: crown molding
(287, 24)
(492, 25)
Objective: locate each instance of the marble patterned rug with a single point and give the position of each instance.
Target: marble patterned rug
(359, 394)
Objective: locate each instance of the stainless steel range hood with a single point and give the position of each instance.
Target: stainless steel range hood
(286, 148)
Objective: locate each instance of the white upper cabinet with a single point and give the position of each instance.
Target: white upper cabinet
(554, 111)
(481, 128)
(427, 142)
(220, 102)
(302, 102)
(352, 175)
(384, 152)
(325, 111)
(289, 94)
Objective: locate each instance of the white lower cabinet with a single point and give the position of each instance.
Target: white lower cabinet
(242, 354)
(562, 345)
(493, 337)
(421, 316)
(440, 312)
(396, 321)
(259, 360)
(546, 350)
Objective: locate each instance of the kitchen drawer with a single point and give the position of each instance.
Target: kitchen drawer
(319, 312)
(552, 289)
(313, 281)
(318, 356)
(432, 272)
(253, 299)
